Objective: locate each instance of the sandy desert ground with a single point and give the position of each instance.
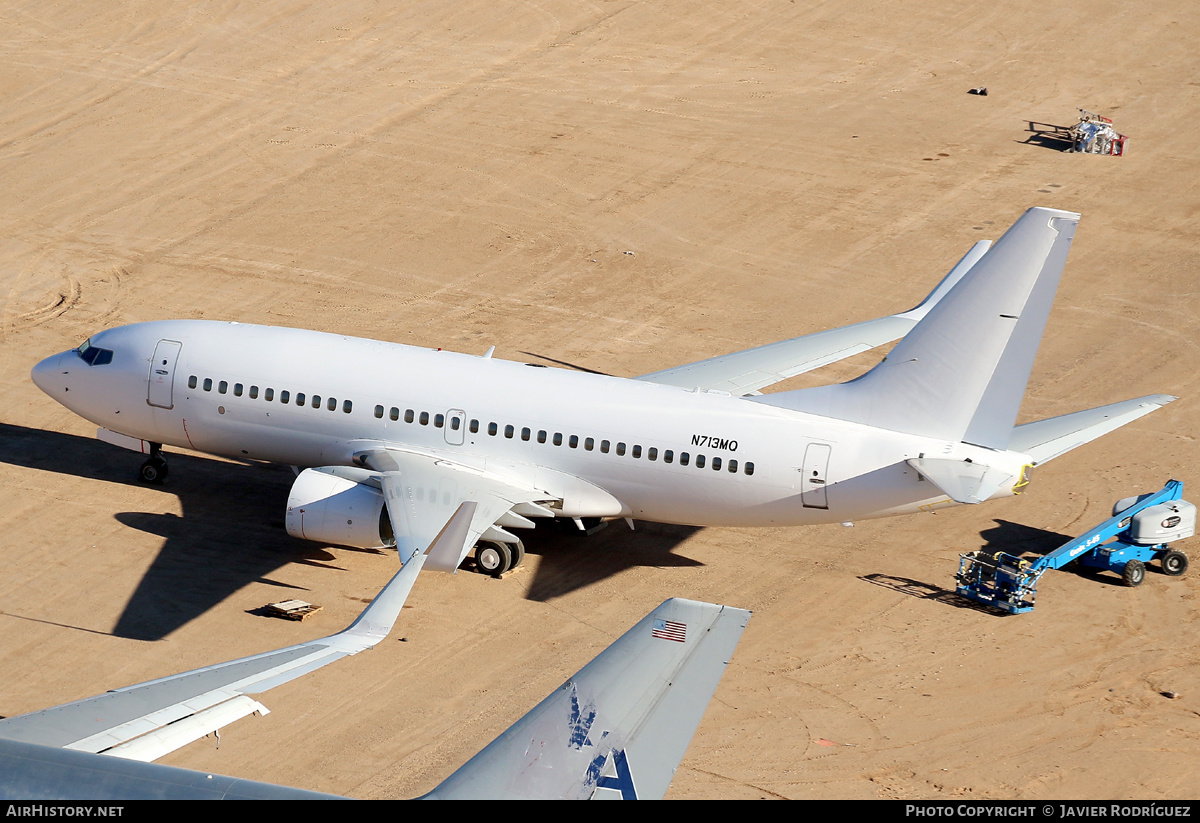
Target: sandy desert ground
(471, 174)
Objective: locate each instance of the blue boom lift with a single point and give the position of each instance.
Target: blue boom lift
(1138, 532)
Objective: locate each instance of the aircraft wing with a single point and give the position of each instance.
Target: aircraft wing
(1047, 439)
(619, 728)
(746, 372)
(146, 721)
(423, 492)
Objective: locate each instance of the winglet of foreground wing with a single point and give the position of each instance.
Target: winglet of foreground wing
(748, 371)
(146, 721)
(619, 728)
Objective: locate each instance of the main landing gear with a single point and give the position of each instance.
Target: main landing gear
(495, 558)
(154, 470)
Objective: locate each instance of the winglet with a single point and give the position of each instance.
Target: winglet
(619, 728)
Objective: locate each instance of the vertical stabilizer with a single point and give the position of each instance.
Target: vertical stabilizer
(619, 728)
(961, 372)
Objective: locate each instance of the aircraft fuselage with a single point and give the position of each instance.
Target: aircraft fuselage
(607, 446)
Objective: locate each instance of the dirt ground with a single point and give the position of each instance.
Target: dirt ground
(620, 186)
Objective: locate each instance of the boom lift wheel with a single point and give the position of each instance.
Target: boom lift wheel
(1134, 573)
(493, 558)
(1174, 563)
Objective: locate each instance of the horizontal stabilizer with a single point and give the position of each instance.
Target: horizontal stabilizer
(619, 728)
(962, 481)
(748, 371)
(1047, 439)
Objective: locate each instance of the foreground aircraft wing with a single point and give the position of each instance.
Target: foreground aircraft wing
(146, 721)
(748, 371)
(423, 493)
(619, 728)
(1047, 439)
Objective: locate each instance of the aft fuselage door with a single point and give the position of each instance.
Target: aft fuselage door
(456, 425)
(812, 482)
(162, 374)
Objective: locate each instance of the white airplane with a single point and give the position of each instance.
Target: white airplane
(398, 437)
(618, 729)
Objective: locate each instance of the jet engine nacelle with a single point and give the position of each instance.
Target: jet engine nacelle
(339, 505)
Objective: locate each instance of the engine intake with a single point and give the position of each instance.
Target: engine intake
(339, 505)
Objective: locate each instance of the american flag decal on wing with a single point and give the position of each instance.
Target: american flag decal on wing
(669, 630)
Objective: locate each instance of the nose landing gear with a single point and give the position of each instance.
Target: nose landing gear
(154, 470)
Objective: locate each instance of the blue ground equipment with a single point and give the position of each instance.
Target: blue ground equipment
(1138, 532)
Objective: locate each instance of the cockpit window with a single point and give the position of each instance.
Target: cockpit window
(94, 355)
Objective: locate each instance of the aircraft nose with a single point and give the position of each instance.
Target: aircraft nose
(45, 374)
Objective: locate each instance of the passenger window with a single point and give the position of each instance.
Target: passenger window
(208, 384)
(541, 435)
(408, 416)
(589, 444)
(604, 446)
(699, 461)
(558, 438)
(379, 412)
(492, 429)
(331, 404)
(749, 468)
(237, 389)
(526, 433)
(424, 419)
(299, 398)
(439, 420)
(637, 451)
(474, 426)
(716, 464)
(269, 395)
(455, 423)
(347, 405)
(316, 401)
(684, 457)
(620, 450)
(284, 396)
(223, 386)
(509, 431)
(668, 456)
(192, 382)
(254, 392)
(652, 453)
(733, 466)
(573, 442)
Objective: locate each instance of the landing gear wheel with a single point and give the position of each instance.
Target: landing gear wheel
(1174, 563)
(493, 558)
(517, 550)
(153, 470)
(1134, 573)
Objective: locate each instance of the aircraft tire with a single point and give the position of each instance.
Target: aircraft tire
(1174, 563)
(492, 558)
(153, 470)
(517, 551)
(1134, 573)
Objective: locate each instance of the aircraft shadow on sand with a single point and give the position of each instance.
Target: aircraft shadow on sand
(231, 532)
